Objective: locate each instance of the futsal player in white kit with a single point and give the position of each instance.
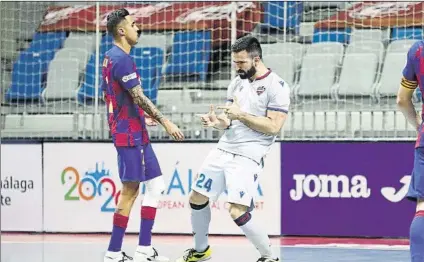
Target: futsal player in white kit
(257, 106)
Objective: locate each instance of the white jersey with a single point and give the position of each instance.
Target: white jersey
(269, 92)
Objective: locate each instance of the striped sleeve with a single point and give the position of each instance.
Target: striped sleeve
(409, 79)
(279, 97)
(408, 84)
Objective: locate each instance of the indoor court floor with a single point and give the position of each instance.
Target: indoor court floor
(90, 248)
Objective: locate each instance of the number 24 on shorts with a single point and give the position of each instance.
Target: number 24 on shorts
(202, 184)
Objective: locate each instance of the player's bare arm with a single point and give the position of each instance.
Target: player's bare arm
(144, 102)
(404, 102)
(270, 124)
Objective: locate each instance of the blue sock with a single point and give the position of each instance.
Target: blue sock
(148, 215)
(119, 226)
(417, 237)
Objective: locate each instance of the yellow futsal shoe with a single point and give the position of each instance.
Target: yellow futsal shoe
(191, 255)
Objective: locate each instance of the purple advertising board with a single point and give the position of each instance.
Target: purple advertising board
(354, 189)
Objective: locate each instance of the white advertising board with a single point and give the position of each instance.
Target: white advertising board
(21, 187)
(75, 174)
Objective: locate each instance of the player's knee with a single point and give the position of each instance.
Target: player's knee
(128, 195)
(420, 205)
(156, 186)
(130, 191)
(154, 191)
(198, 199)
(237, 210)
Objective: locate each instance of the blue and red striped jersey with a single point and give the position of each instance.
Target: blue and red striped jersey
(413, 77)
(126, 119)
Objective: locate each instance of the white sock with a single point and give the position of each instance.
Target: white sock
(256, 235)
(200, 219)
(112, 254)
(145, 249)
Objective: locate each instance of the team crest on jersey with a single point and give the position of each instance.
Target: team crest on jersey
(260, 90)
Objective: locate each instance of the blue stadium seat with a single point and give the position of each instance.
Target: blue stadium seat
(331, 35)
(87, 90)
(190, 55)
(407, 33)
(273, 15)
(149, 63)
(30, 69)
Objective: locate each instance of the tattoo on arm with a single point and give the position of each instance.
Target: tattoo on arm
(144, 102)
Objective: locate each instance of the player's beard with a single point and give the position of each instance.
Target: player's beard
(134, 42)
(247, 74)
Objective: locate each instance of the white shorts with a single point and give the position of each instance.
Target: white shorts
(222, 171)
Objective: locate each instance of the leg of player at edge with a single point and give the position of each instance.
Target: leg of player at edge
(411, 79)
(417, 234)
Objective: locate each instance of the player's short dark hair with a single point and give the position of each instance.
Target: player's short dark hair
(114, 19)
(249, 44)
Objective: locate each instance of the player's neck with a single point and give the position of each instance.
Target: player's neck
(124, 46)
(260, 72)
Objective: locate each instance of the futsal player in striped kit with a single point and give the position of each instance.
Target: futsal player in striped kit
(258, 102)
(126, 105)
(413, 77)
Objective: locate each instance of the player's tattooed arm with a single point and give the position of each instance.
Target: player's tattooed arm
(144, 102)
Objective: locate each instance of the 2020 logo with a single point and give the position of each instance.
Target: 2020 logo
(92, 184)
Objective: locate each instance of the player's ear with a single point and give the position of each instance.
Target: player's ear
(121, 31)
(256, 59)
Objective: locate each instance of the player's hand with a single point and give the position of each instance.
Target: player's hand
(210, 119)
(150, 121)
(232, 111)
(173, 130)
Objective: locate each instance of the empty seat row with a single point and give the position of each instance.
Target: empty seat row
(349, 35)
(59, 67)
(330, 69)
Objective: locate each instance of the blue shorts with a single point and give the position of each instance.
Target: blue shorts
(416, 187)
(137, 164)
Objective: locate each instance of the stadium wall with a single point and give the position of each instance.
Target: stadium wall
(321, 188)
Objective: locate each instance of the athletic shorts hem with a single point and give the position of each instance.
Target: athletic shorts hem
(141, 179)
(414, 198)
(238, 202)
(205, 193)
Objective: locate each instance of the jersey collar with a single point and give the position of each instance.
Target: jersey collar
(262, 76)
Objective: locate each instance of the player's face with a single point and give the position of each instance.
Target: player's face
(244, 64)
(131, 31)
